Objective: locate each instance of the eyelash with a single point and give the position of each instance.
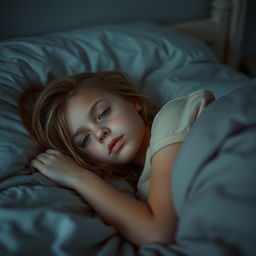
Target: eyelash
(100, 116)
(103, 113)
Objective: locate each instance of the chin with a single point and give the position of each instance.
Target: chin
(129, 155)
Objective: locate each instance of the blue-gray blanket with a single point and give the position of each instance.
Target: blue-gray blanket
(214, 182)
(214, 189)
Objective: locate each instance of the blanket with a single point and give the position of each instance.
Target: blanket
(213, 190)
(214, 181)
(36, 216)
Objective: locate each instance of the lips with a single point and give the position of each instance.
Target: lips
(113, 143)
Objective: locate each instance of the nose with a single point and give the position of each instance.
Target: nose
(102, 133)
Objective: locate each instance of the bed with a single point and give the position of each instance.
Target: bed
(213, 190)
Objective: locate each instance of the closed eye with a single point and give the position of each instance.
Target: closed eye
(86, 140)
(103, 114)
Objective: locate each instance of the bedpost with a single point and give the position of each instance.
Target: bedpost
(222, 31)
(221, 12)
(228, 17)
(237, 22)
(213, 30)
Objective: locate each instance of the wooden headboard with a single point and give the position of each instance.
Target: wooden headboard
(222, 31)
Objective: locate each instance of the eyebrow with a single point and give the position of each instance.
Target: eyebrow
(92, 109)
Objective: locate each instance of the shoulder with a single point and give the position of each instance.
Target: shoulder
(176, 117)
(178, 104)
(174, 110)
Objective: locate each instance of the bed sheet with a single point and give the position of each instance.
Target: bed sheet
(36, 216)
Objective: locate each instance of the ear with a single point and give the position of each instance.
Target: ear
(138, 107)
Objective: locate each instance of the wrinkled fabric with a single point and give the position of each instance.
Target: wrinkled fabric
(214, 178)
(36, 216)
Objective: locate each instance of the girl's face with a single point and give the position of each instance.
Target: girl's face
(109, 128)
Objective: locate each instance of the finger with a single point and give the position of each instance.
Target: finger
(41, 157)
(36, 164)
(52, 151)
(34, 170)
(38, 167)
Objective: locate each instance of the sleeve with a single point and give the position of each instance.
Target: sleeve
(176, 117)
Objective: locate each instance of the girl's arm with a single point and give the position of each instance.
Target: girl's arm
(140, 223)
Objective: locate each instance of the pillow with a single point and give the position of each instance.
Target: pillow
(162, 63)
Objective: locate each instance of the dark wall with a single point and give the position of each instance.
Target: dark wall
(35, 17)
(249, 37)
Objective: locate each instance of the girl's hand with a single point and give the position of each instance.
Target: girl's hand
(58, 167)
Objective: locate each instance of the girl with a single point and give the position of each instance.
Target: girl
(96, 125)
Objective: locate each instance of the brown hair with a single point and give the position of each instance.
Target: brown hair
(41, 108)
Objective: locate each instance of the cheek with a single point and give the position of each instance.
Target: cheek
(124, 118)
(93, 150)
(117, 119)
